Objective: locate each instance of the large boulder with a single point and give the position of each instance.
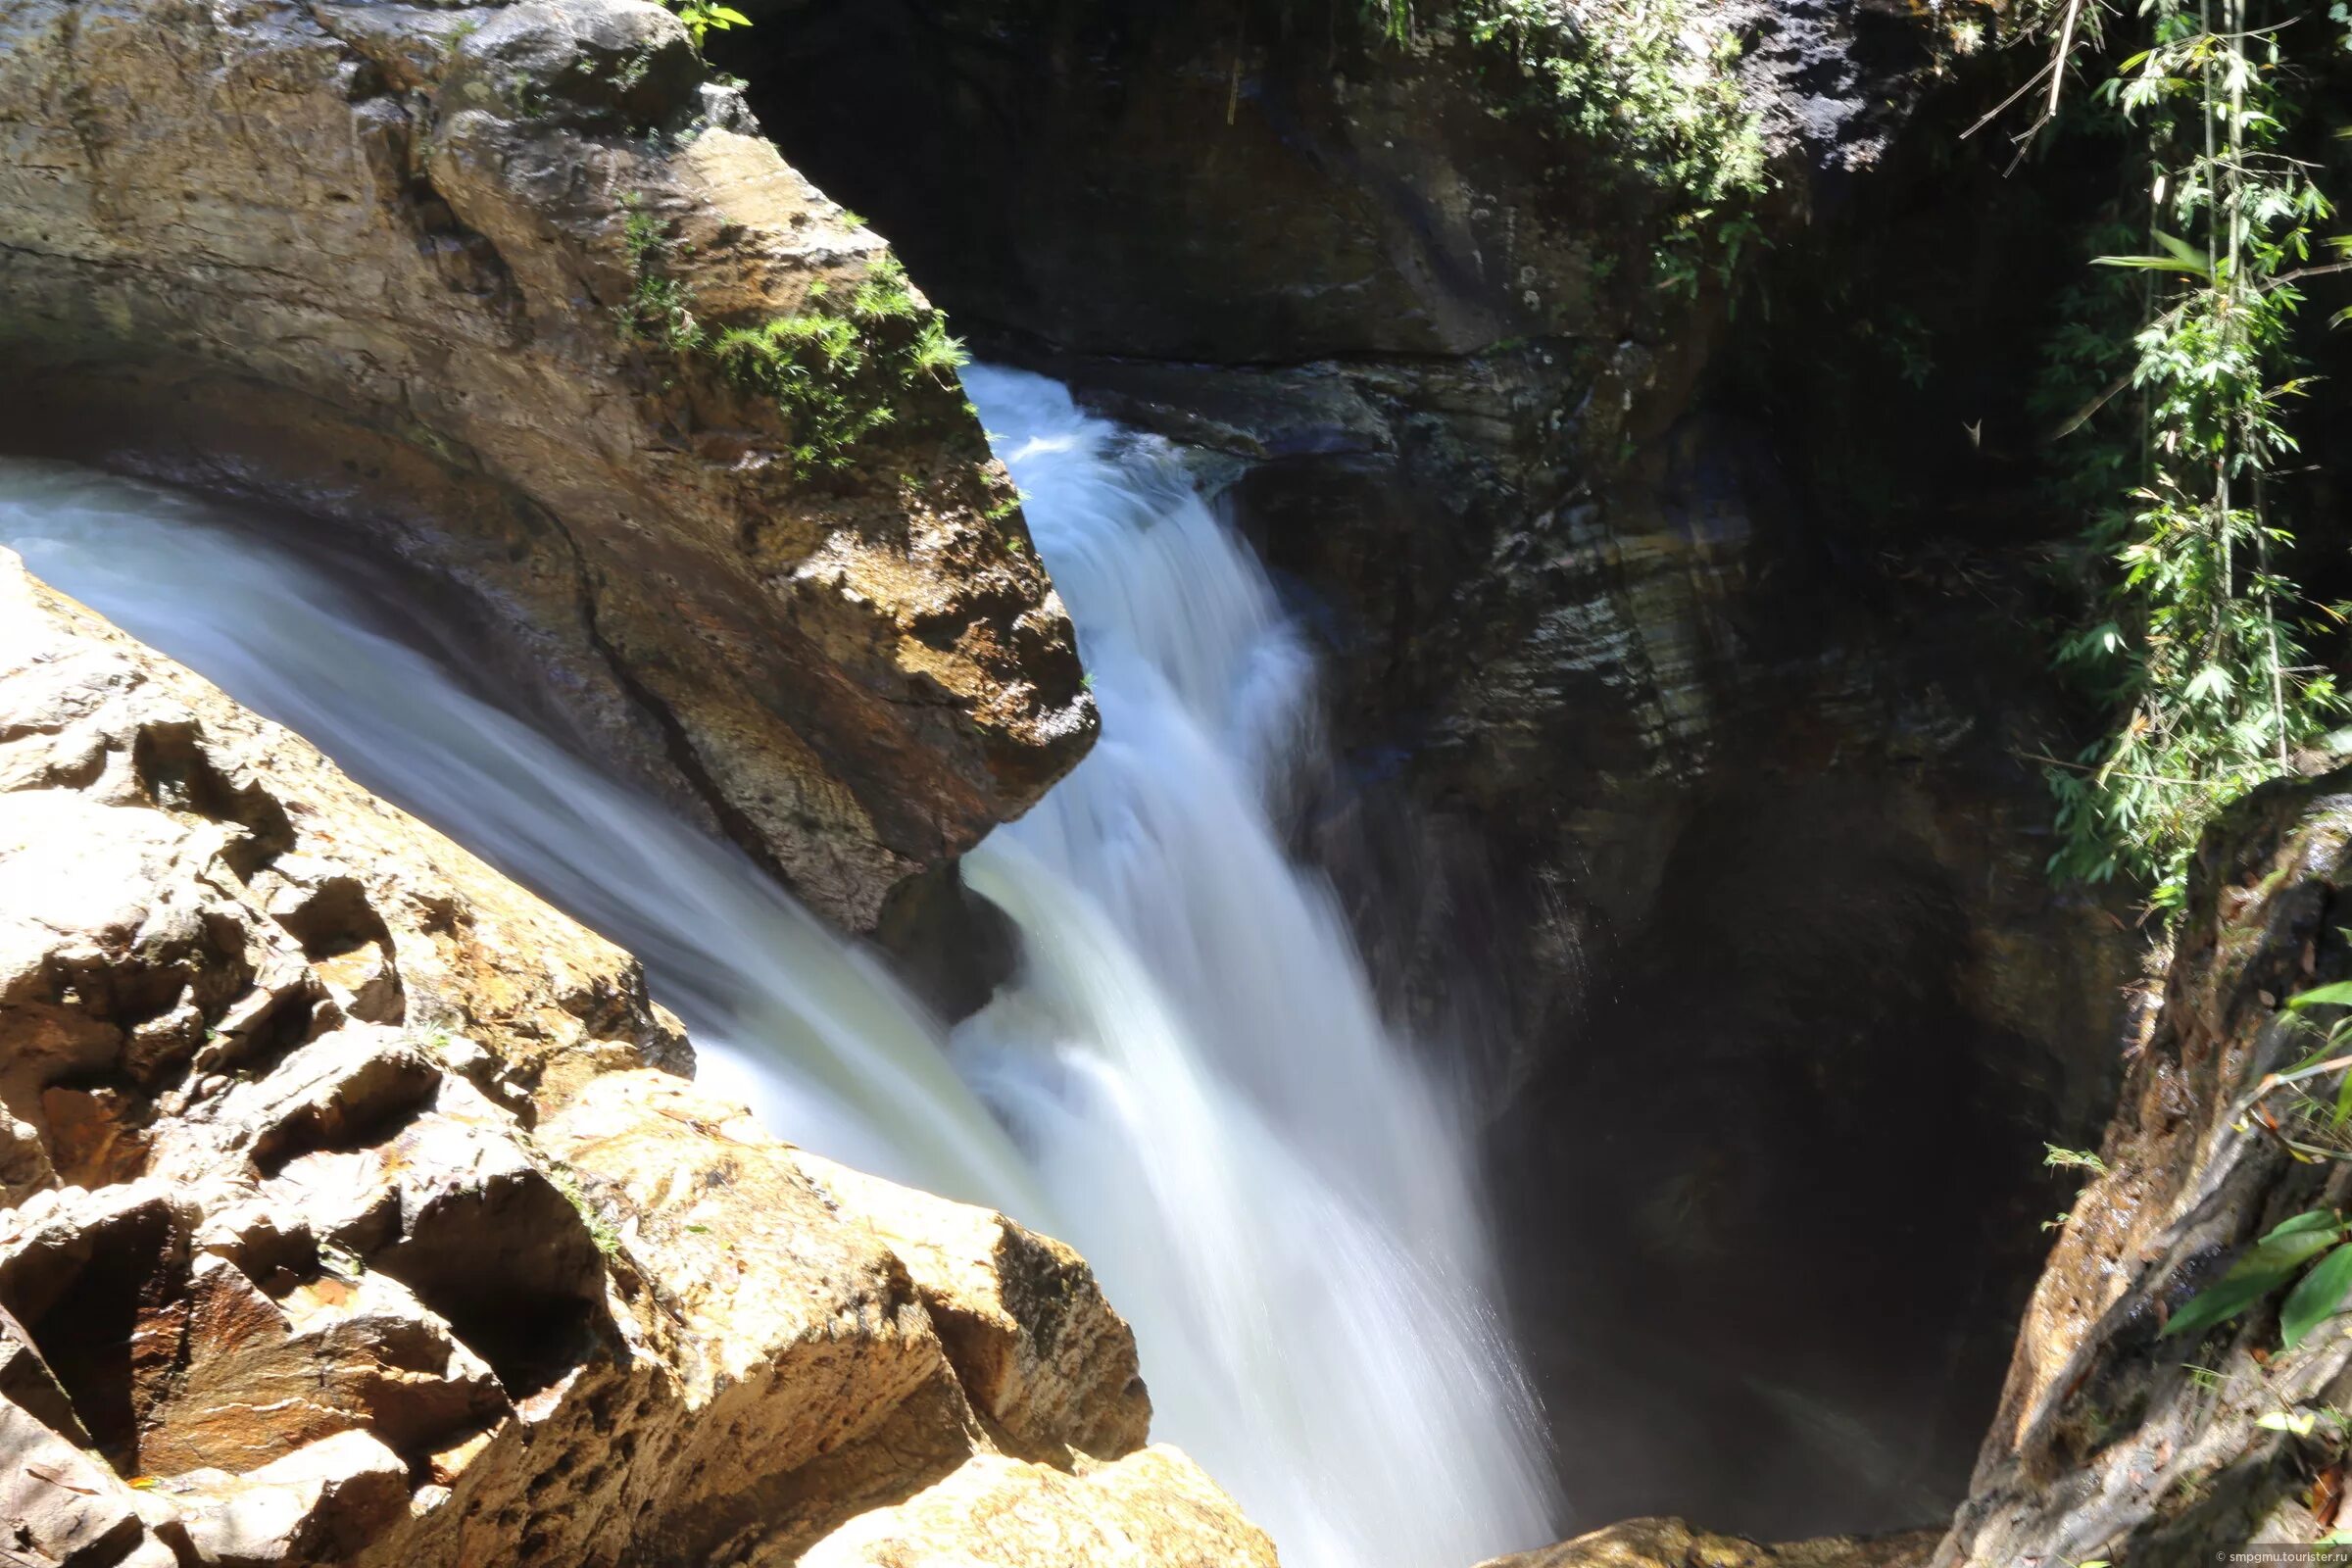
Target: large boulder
(358, 1211)
(463, 275)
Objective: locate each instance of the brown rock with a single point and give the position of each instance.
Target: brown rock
(1037, 1349)
(320, 1503)
(1673, 1543)
(55, 1500)
(1155, 1506)
(421, 1260)
(390, 264)
(2110, 1441)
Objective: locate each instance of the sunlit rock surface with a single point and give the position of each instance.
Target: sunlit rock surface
(379, 260)
(1673, 1543)
(2112, 1441)
(356, 1212)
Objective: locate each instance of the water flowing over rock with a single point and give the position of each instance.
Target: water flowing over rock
(1708, 771)
(1188, 1060)
(1195, 1064)
(356, 1212)
(457, 275)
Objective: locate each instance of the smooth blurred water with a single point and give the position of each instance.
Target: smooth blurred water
(812, 1032)
(1276, 1193)
(1187, 1080)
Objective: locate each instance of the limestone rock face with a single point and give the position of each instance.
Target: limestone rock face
(456, 275)
(356, 1212)
(2110, 1442)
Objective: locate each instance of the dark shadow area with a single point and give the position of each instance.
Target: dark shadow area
(1770, 1229)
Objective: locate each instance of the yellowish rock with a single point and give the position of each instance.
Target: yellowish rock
(354, 1212)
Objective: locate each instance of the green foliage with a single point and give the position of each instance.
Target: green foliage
(702, 18)
(658, 309)
(2315, 1298)
(2313, 1248)
(600, 1229)
(1648, 80)
(2198, 643)
(1393, 18)
(2057, 1158)
(1650, 83)
(2287, 1252)
(836, 378)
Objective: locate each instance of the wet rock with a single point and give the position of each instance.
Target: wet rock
(2111, 1441)
(1640, 692)
(1270, 180)
(457, 1274)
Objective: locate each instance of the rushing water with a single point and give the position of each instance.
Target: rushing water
(1187, 1080)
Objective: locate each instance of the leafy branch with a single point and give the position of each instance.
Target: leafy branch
(2313, 1248)
(2199, 646)
(1653, 83)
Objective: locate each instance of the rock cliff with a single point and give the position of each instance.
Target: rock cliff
(2116, 1442)
(1673, 1543)
(1648, 684)
(356, 1211)
(521, 290)
(2113, 1440)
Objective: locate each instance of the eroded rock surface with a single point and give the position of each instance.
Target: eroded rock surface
(2112, 1441)
(1673, 1543)
(457, 274)
(356, 1212)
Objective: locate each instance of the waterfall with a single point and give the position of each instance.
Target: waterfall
(1188, 1079)
(1273, 1191)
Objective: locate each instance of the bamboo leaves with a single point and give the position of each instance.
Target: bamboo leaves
(2180, 257)
(2317, 1298)
(2269, 1264)
(2209, 677)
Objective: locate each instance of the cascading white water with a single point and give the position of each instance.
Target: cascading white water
(813, 1034)
(1273, 1191)
(1198, 1092)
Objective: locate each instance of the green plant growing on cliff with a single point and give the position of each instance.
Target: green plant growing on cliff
(834, 377)
(702, 18)
(2314, 1250)
(2057, 1158)
(1650, 82)
(658, 309)
(2199, 643)
(601, 1231)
